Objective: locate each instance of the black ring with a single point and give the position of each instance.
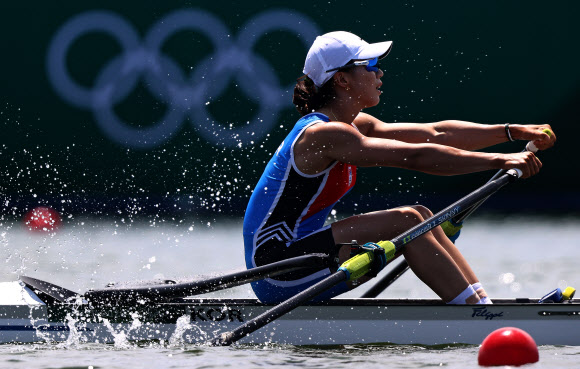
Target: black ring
(508, 133)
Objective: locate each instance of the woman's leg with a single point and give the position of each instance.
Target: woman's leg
(449, 246)
(454, 252)
(426, 256)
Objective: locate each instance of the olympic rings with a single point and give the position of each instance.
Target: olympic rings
(185, 96)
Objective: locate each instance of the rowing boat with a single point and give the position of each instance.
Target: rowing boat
(28, 315)
(35, 311)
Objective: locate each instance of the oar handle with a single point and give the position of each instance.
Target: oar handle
(531, 147)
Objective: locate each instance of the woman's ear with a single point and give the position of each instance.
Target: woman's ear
(342, 79)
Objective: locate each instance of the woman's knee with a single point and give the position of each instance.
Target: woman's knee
(424, 211)
(408, 217)
(383, 224)
(410, 214)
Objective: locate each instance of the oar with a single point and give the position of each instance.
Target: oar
(400, 269)
(176, 290)
(461, 217)
(360, 264)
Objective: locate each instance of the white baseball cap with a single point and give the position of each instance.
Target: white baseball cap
(335, 49)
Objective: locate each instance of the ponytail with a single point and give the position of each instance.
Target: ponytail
(309, 98)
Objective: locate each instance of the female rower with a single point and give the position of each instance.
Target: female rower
(316, 164)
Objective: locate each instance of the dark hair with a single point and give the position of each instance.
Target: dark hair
(308, 98)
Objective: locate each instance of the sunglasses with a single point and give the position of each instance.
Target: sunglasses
(371, 65)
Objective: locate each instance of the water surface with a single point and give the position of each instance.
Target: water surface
(513, 257)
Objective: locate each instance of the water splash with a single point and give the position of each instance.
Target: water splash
(182, 325)
(120, 339)
(74, 336)
(41, 335)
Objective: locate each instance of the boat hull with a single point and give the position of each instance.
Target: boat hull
(340, 321)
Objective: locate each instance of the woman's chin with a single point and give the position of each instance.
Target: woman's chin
(376, 101)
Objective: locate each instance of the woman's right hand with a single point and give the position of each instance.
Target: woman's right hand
(525, 161)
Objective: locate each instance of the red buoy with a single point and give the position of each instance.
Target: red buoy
(508, 346)
(42, 219)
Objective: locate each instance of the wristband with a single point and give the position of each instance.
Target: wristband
(508, 133)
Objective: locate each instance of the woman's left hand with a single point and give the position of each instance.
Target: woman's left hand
(536, 133)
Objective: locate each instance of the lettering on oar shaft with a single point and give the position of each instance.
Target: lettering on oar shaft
(217, 315)
(482, 312)
(429, 226)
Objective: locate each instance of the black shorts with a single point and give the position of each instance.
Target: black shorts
(318, 242)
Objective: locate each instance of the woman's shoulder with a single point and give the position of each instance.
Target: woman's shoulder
(332, 128)
(364, 122)
(327, 135)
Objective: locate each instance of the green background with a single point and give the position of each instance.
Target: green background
(488, 62)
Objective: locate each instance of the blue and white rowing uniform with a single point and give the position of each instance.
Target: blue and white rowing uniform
(286, 214)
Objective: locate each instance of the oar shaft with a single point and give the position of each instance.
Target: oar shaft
(171, 291)
(387, 280)
(464, 215)
(454, 209)
(226, 339)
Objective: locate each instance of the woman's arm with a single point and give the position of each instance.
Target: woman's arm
(324, 143)
(454, 133)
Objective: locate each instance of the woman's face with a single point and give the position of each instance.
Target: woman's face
(364, 86)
